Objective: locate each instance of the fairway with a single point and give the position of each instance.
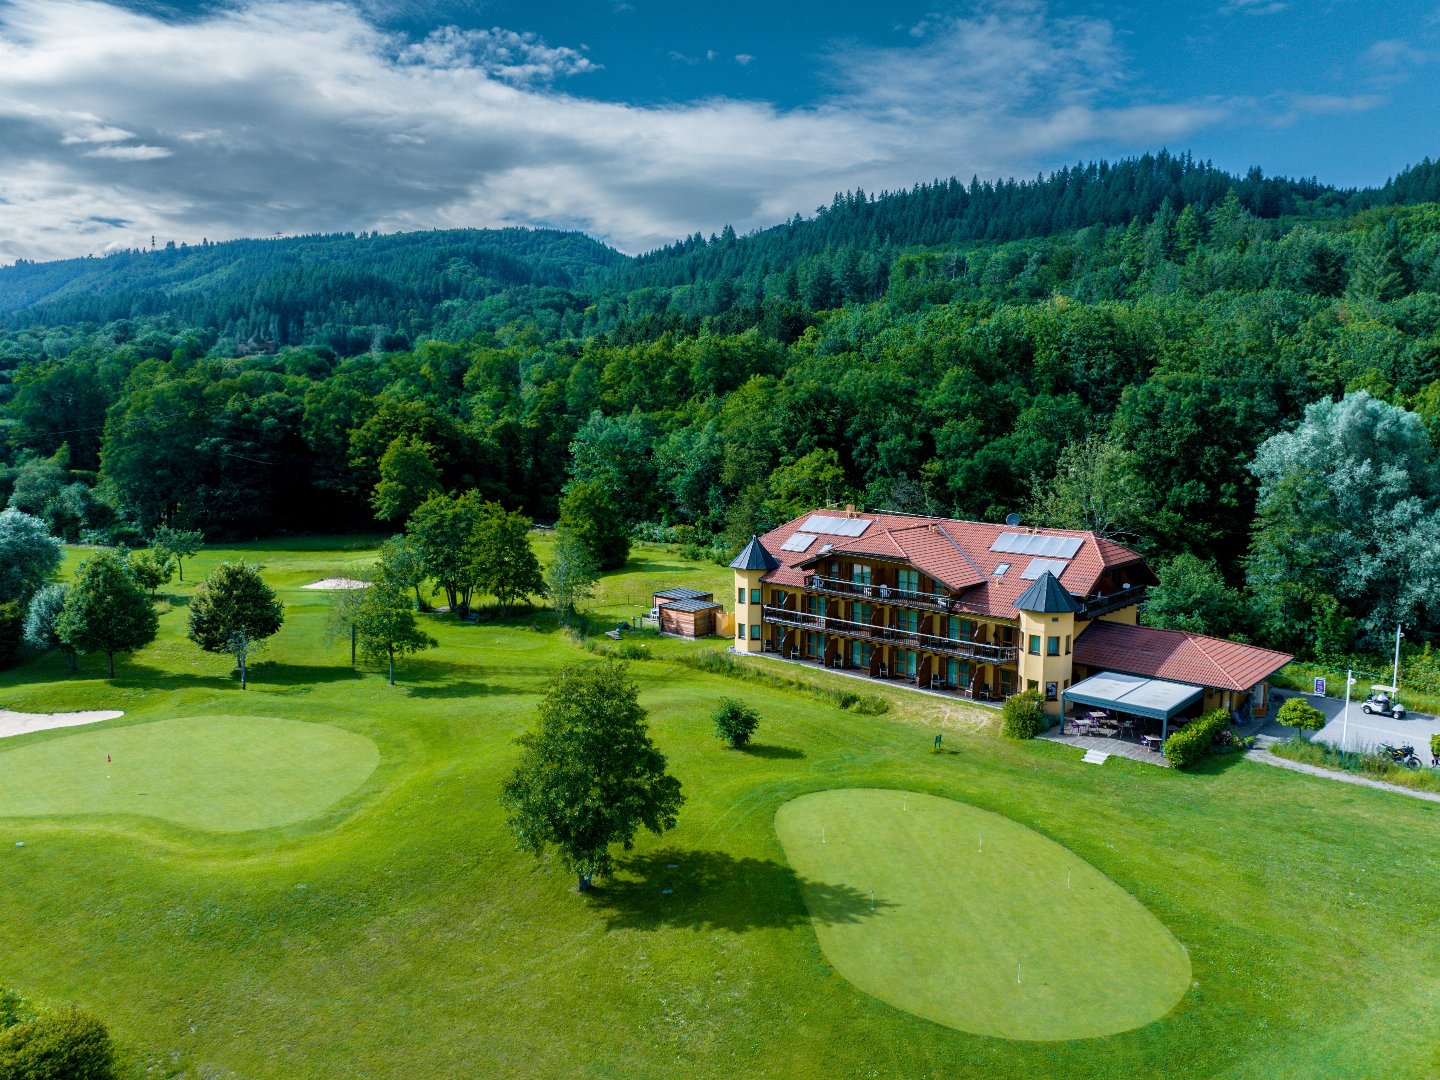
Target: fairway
(976, 922)
(220, 773)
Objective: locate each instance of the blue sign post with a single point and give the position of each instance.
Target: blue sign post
(1319, 686)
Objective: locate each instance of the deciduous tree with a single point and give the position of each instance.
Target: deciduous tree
(408, 476)
(182, 544)
(28, 555)
(233, 612)
(589, 774)
(590, 513)
(40, 621)
(506, 566)
(385, 624)
(571, 576)
(106, 610)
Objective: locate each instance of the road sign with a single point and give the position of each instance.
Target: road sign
(1319, 686)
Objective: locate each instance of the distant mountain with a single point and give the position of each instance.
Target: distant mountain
(342, 291)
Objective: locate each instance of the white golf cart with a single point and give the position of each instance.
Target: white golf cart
(1380, 701)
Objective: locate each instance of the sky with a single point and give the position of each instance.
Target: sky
(640, 122)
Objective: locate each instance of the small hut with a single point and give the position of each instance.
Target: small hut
(689, 617)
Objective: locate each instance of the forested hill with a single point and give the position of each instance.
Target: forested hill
(345, 292)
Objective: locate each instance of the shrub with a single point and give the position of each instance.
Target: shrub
(1435, 747)
(735, 722)
(1023, 715)
(65, 1043)
(1298, 713)
(1194, 741)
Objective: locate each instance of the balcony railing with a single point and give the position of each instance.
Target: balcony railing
(891, 635)
(1102, 605)
(881, 594)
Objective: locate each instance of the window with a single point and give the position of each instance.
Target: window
(1031, 684)
(1067, 645)
(967, 630)
(1001, 568)
(908, 579)
(861, 613)
(1034, 644)
(755, 631)
(754, 596)
(1052, 646)
(740, 630)
(740, 595)
(860, 653)
(859, 572)
(908, 620)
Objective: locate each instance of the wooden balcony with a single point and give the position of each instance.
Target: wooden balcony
(1095, 606)
(890, 635)
(881, 594)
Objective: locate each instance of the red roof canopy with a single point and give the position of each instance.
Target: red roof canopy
(1176, 655)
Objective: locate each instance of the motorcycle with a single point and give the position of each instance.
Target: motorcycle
(1400, 755)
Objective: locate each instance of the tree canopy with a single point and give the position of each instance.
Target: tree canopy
(106, 609)
(234, 612)
(589, 775)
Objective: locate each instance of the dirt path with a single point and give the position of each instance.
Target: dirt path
(1268, 758)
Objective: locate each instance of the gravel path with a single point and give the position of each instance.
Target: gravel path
(1268, 758)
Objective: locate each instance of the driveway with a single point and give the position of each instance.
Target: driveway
(1360, 732)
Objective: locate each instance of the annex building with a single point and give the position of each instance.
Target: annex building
(982, 611)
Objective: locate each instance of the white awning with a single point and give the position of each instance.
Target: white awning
(1152, 698)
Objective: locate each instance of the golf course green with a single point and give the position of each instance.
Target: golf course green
(219, 773)
(975, 921)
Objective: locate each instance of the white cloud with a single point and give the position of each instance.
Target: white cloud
(1253, 7)
(306, 116)
(743, 59)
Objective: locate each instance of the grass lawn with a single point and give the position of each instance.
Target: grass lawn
(222, 773)
(969, 919)
(395, 931)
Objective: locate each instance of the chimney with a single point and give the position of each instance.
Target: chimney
(849, 509)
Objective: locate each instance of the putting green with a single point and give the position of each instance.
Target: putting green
(976, 922)
(221, 773)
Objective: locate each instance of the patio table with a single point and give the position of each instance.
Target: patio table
(1152, 742)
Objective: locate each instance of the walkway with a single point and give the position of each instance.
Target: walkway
(1262, 754)
(1108, 744)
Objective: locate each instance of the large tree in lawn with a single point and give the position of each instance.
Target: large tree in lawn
(233, 612)
(591, 512)
(443, 529)
(106, 609)
(385, 623)
(505, 563)
(179, 544)
(589, 776)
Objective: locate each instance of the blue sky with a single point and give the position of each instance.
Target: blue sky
(639, 121)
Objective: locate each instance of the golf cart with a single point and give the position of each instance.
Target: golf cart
(1380, 702)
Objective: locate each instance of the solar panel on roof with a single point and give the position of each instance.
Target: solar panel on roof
(1057, 547)
(836, 526)
(1039, 566)
(798, 542)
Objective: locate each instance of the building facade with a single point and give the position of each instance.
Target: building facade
(979, 610)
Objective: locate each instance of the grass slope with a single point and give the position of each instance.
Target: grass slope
(399, 933)
(972, 920)
(223, 773)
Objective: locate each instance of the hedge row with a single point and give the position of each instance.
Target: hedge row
(1192, 743)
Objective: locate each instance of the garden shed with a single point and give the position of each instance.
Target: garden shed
(694, 617)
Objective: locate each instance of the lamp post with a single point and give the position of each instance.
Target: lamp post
(1395, 676)
(1345, 716)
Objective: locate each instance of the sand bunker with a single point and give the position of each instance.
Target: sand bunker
(22, 723)
(337, 583)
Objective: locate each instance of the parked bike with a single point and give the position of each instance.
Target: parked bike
(1400, 755)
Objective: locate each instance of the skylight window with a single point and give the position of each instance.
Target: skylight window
(1001, 568)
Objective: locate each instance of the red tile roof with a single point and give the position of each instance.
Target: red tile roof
(1176, 655)
(956, 553)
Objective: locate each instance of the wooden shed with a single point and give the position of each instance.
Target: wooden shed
(669, 596)
(692, 618)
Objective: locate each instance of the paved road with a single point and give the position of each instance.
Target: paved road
(1360, 732)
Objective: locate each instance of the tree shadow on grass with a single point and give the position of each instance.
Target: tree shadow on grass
(782, 753)
(264, 675)
(463, 688)
(710, 890)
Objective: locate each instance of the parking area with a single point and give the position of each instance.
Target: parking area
(1360, 732)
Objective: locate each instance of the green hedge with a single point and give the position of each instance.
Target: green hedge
(1192, 743)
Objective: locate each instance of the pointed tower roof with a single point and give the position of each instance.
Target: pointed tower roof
(1047, 595)
(754, 557)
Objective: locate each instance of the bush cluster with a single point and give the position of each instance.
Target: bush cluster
(735, 722)
(1023, 715)
(1368, 762)
(1194, 742)
(63, 1043)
